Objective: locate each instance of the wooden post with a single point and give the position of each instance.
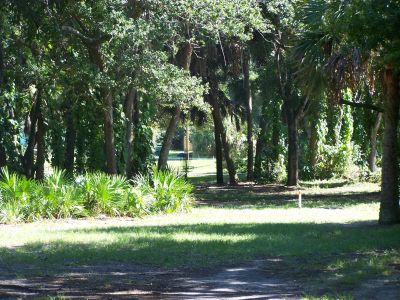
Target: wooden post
(300, 200)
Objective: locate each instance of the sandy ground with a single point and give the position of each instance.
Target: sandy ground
(251, 281)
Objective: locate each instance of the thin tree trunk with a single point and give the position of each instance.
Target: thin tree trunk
(28, 158)
(260, 145)
(249, 116)
(233, 179)
(2, 76)
(41, 147)
(136, 134)
(389, 198)
(96, 58)
(111, 161)
(80, 159)
(184, 58)
(169, 136)
(275, 140)
(3, 154)
(129, 135)
(216, 110)
(70, 140)
(313, 147)
(373, 141)
(218, 152)
(293, 153)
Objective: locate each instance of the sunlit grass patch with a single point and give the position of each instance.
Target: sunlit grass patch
(217, 235)
(339, 245)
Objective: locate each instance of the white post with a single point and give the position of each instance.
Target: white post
(300, 204)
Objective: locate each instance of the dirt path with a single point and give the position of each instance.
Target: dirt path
(252, 281)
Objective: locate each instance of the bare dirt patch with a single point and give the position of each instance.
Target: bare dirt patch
(252, 281)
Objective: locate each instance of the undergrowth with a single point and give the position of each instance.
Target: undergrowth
(57, 196)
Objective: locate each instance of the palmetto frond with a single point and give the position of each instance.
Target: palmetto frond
(323, 56)
(346, 68)
(310, 56)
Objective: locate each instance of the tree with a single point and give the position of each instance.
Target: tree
(283, 27)
(337, 25)
(206, 22)
(249, 115)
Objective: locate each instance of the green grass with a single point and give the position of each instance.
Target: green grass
(271, 196)
(201, 170)
(333, 248)
(188, 243)
(206, 236)
(197, 167)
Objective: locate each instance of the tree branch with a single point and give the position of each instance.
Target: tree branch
(89, 41)
(302, 110)
(362, 105)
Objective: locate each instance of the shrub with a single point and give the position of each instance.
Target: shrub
(57, 196)
(165, 191)
(61, 198)
(105, 194)
(15, 193)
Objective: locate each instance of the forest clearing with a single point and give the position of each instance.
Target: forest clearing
(256, 245)
(199, 149)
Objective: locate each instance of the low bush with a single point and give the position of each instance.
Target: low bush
(166, 191)
(56, 197)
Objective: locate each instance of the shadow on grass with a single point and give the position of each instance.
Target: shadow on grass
(307, 252)
(279, 196)
(210, 178)
(327, 184)
(200, 245)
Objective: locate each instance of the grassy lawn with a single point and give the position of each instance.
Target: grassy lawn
(197, 167)
(333, 242)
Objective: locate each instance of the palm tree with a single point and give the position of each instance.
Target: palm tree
(340, 40)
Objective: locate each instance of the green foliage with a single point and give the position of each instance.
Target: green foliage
(203, 141)
(332, 126)
(167, 191)
(105, 194)
(335, 146)
(24, 200)
(57, 198)
(298, 48)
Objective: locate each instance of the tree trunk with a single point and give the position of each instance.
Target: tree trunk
(70, 140)
(169, 136)
(2, 77)
(313, 146)
(3, 154)
(218, 152)
(276, 132)
(260, 149)
(373, 141)
(129, 135)
(97, 59)
(111, 161)
(28, 159)
(233, 179)
(184, 58)
(41, 147)
(216, 111)
(293, 153)
(389, 199)
(249, 116)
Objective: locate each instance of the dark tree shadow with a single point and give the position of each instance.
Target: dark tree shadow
(186, 258)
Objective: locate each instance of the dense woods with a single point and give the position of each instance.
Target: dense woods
(280, 90)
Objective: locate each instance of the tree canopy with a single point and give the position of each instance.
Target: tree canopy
(282, 90)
